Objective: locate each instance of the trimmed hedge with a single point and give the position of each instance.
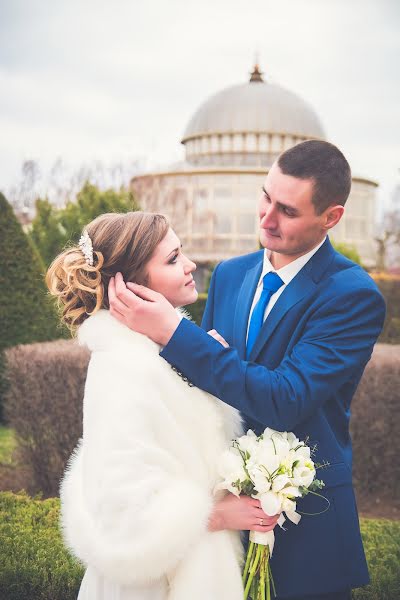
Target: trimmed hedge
(44, 407)
(196, 310)
(375, 423)
(36, 566)
(389, 286)
(381, 538)
(26, 312)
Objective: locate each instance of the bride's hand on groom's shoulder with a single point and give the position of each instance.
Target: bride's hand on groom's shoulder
(240, 513)
(214, 333)
(142, 310)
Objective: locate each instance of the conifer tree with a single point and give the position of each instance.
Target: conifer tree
(27, 313)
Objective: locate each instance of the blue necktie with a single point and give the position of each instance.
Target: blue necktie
(271, 284)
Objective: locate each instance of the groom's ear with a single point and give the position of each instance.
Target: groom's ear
(332, 216)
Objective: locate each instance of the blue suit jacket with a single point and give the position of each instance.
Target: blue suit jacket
(303, 371)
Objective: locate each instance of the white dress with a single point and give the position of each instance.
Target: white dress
(138, 491)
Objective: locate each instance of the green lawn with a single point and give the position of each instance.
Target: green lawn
(7, 445)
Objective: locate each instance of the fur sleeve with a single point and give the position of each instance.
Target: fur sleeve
(129, 509)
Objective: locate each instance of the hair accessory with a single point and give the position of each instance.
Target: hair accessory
(85, 244)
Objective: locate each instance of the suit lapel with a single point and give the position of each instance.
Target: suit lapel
(302, 285)
(299, 287)
(243, 305)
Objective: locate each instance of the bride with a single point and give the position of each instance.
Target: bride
(137, 499)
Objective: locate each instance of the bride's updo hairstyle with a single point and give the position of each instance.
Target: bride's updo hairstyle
(121, 243)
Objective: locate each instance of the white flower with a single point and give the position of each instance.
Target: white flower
(288, 460)
(279, 482)
(268, 433)
(281, 445)
(248, 442)
(259, 479)
(293, 440)
(303, 451)
(303, 472)
(290, 491)
(270, 503)
(265, 455)
(288, 505)
(231, 469)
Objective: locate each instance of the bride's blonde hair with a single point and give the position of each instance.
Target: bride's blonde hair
(121, 242)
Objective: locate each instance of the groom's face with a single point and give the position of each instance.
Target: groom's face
(289, 224)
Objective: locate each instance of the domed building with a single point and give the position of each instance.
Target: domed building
(230, 142)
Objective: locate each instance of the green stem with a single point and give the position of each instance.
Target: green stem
(261, 591)
(318, 513)
(249, 557)
(271, 578)
(268, 573)
(252, 572)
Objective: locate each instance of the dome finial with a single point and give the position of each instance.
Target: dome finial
(256, 74)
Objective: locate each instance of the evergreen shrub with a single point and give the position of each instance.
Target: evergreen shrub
(36, 566)
(44, 407)
(375, 423)
(389, 286)
(27, 313)
(196, 310)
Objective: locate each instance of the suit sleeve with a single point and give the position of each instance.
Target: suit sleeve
(337, 343)
(128, 508)
(207, 320)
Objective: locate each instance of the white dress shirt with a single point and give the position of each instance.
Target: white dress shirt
(286, 273)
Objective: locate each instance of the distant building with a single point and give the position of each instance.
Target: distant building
(230, 142)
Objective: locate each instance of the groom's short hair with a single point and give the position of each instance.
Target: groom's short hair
(326, 165)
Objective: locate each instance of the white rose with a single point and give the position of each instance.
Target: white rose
(303, 475)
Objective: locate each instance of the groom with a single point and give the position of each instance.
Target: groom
(293, 327)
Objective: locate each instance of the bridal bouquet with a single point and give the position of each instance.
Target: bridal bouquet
(276, 468)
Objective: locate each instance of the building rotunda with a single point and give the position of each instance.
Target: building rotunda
(230, 142)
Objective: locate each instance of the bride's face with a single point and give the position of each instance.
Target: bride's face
(170, 272)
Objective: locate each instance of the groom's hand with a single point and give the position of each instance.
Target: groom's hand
(214, 333)
(142, 310)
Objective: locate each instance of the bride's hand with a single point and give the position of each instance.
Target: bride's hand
(240, 513)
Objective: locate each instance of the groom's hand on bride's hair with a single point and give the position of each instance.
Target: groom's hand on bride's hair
(142, 310)
(243, 513)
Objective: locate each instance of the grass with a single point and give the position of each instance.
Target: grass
(7, 445)
(34, 564)
(381, 539)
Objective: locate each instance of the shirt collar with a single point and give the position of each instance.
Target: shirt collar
(290, 271)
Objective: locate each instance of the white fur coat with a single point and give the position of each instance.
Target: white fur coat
(138, 490)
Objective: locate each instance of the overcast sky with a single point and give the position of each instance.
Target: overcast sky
(119, 80)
